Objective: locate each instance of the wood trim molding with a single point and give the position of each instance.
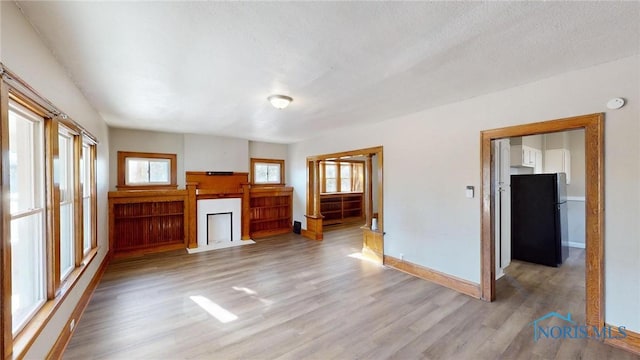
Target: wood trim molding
(314, 228)
(630, 343)
(593, 124)
(122, 183)
(371, 150)
(65, 336)
(6, 340)
(268, 161)
(448, 281)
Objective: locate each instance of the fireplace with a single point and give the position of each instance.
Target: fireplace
(219, 227)
(218, 221)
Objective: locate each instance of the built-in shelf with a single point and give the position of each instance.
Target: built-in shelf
(270, 211)
(341, 207)
(147, 221)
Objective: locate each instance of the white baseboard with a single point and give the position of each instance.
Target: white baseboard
(576, 245)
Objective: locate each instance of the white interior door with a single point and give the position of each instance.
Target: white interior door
(502, 201)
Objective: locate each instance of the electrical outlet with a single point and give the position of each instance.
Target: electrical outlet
(72, 324)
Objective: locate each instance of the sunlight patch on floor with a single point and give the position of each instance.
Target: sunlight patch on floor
(360, 256)
(244, 290)
(217, 311)
(253, 294)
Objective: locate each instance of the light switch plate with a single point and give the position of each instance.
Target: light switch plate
(469, 192)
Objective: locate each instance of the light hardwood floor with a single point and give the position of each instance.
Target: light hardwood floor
(296, 298)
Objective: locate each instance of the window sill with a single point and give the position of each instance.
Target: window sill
(27, 336)
(147, 187)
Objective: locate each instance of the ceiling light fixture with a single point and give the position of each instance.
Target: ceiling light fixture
(280, 101)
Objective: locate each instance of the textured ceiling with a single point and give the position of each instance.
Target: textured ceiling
(208, 67)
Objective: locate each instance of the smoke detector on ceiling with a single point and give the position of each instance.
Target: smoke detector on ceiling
(615, 103)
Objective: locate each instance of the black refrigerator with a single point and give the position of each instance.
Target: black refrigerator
(539, 232)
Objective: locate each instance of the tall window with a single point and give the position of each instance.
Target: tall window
(26, 183)
(331, 177)
(342, 176)
(67, 194)
(50, 210)
(267, 171)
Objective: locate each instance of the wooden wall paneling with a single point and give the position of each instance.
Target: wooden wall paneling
(593, 125)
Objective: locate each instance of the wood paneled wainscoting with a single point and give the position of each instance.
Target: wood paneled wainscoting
(147, 221)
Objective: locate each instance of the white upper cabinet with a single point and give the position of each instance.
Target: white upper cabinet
(523, 156)
(558, 160)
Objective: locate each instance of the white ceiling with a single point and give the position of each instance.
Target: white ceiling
(208, 67)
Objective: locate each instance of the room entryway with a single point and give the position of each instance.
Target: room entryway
(347, 187)
(593, 190)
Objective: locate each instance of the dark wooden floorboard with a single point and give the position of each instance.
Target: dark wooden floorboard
(295, 298)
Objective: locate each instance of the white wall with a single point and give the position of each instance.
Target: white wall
(264, 150)
(144, 141)
(193, 152)
(576, 147)
(431, 156)
(215, 153)
(24, 53)
(576, 190)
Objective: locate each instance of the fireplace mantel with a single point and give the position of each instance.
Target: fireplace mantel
(216, 185)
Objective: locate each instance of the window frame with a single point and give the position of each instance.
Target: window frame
(122, 170)
(39, 203)
(256, 161)
(13, 89)
(73, 180)
(338, 164)
(90, 174)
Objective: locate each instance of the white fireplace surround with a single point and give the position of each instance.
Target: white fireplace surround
(217, 206)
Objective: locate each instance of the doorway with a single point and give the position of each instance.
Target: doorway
(593, 126)
(372, 247)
